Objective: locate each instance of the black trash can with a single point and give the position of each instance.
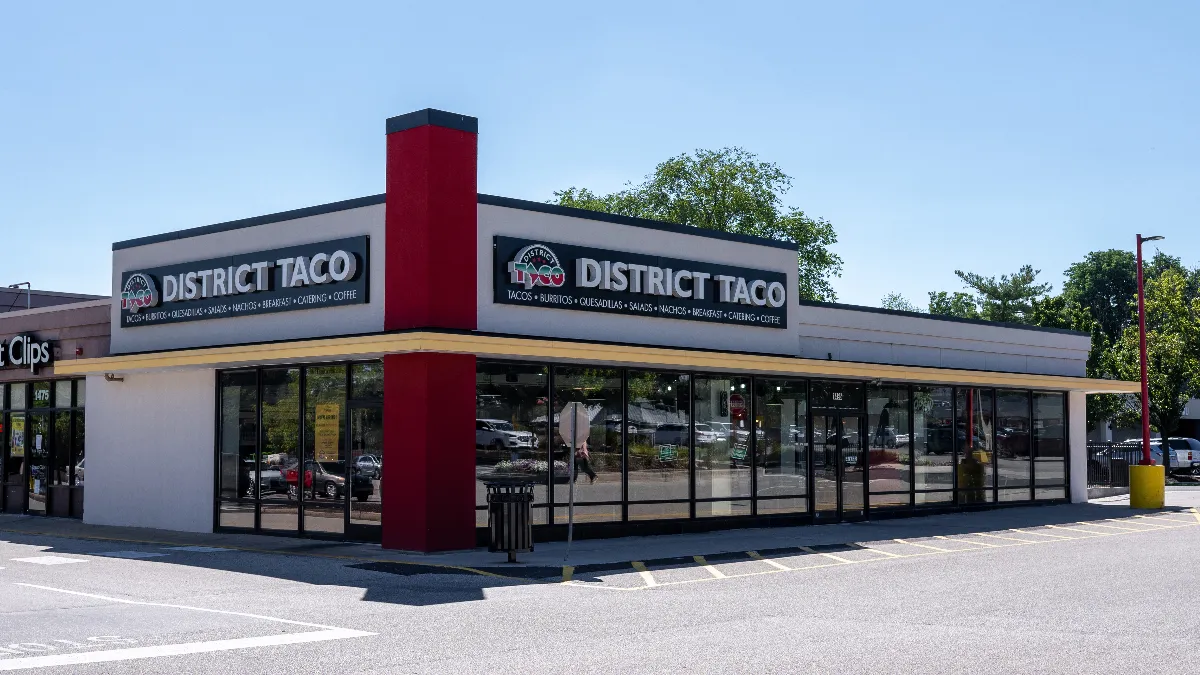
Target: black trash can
(510, 518)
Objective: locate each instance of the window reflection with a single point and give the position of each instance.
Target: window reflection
(889, 445)
(659, 438)
(976, 454)
(1049, 443)
(277, 476)
(239, 432)
(326, 481)
(933, 447)
(598, 463)
(511, 430)
(781, 450)
(1013, 467)
(722, 435)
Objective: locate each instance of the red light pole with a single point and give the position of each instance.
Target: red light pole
(1142, 337)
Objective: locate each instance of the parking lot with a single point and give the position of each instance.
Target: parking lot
(1078, 588)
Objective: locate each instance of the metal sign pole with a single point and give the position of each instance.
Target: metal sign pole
(571, 477)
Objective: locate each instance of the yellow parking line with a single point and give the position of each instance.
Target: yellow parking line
(1076, 529)
(1123, 529)
(831, 556)
(965, 541)
(889, 554)
(717, 574)
(1043, 534)
(646, 576)
(1196, 512)
(1161, 527)
(568, 570)
(1168, 519)
(757, 556)
(913, 543)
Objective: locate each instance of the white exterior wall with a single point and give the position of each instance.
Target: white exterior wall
(878, 337)
(513, 319)
(150, 450)
(304, 323)
(1077, 438)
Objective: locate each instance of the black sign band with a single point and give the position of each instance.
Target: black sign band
(563, 276)
(310, 276)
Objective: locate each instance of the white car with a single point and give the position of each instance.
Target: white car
(1185, 455)
(499, 434)
(706, 434)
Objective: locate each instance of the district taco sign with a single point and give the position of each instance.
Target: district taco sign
(311, 276)
(563, 276)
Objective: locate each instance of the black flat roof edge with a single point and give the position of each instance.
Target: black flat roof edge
(554, 209)
(434, 117)
(941, 317)
(318, 210)
(457, 331)
(492, 200)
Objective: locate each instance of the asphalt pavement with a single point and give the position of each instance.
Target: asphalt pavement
(1086, 588)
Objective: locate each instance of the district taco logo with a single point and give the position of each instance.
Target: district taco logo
(536, 265)
(139, 293)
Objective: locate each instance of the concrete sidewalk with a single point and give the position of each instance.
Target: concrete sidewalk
(599, 553)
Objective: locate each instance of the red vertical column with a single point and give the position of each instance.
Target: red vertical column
(429, 399)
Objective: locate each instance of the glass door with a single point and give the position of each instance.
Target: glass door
(39, 461)
(839, 467)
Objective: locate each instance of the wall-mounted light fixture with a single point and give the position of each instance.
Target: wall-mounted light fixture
(113, 377)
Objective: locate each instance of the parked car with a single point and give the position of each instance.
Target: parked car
(271, 481)
(671, 434)
(1185, 455)
(370, 466)
(501, 435)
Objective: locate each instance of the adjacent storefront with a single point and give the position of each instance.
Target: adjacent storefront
(262, 370)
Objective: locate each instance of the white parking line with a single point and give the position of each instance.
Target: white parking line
(49, 560)
(128, 654)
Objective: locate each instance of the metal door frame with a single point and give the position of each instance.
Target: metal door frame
(838, 515)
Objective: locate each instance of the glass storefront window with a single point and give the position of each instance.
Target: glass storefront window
(781, 448)
(14, 473)
(38, 449)
(889, 445)
(60, 459)
(80, 393)
(238, 443)
(41, 395)
(62, 394)
(326, 481)
(598, 465)
(976, 453)
(1049, 443)
(512, 427)
(660, 446)
(77, 470)
(366, 457)
(366, 381)
(933, 445)
(16, 396)
(278, 465)
(722, 434)
(837, 395)
(1013, 465)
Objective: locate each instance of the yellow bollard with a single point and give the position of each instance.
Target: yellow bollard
(1147, 486)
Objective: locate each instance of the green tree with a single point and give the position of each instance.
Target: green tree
(898, 302)
(961, 305)
(1104, 285)
(728, 190)
(1173, 352)
(1009, 299)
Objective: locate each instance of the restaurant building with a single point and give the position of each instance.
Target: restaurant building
(260, 371)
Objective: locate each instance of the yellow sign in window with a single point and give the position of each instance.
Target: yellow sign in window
(327, 431)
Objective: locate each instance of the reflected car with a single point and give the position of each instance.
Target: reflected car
(501, 435)
(705, 433)
(370, 466)
(272, 481)
(326, 479)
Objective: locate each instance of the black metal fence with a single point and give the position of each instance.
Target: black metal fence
(1108, 463)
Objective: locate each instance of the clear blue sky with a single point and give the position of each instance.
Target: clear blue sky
(978, 136)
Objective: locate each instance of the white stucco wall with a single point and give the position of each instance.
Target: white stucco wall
(499, 318)
(346, 320)
(878, 337)
(1077, 438)
(150, 450)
